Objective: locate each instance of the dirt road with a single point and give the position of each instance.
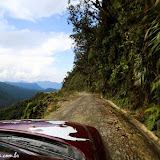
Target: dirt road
(121, 138)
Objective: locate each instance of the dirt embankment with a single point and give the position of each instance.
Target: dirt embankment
(121, 138)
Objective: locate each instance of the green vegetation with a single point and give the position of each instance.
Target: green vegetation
(37, 107)
(117, 45)
(10, 94)
(17, 92)
(6, 99)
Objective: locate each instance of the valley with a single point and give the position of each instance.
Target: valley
(12, 92)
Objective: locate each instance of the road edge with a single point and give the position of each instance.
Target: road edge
(141, 127)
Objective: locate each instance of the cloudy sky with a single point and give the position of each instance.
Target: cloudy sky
(34, 40)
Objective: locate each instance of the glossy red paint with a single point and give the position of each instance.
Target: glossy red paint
(85, 138)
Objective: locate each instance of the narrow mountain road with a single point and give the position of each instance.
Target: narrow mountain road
(121, 138)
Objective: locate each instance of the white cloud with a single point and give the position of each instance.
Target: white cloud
(30, 56)
(21, 39)
(32, 42)
(32, 9)
(4, 73)
(4, 26)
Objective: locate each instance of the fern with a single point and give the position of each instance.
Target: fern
(153, 117)
(156, 84)
(150, 124)
(151, 109)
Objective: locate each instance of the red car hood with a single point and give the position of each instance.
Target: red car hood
(73, 134)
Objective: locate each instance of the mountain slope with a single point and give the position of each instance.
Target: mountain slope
(6, 99)
(17, 92)
(36, 107)
(10, 94)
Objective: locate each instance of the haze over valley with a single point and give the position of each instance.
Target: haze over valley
(12, 92)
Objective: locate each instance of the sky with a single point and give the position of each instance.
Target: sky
(34, 40)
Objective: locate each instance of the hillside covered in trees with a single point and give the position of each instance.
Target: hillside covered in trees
(10, 94)
(40, 105)
(117, 45)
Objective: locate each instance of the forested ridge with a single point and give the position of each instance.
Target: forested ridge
(10, 94)
(40, 105)
(116, 46)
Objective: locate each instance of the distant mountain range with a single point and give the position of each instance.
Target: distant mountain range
(40, 85)
(12, 92)
(48, 84)
(33, 86)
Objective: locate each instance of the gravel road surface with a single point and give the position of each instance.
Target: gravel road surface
(121, 139)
